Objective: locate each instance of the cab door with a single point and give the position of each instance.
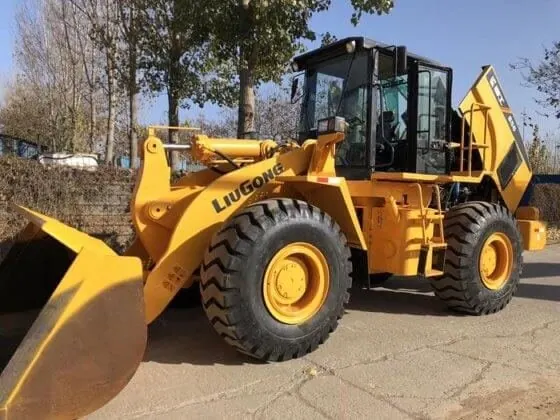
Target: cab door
(430, 109)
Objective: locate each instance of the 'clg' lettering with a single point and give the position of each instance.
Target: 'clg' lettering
(497, 91)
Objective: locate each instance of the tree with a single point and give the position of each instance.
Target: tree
(275, 118)
(25, 113)
(102, 17)
(176, 57)
(92, 62)
(117, 31)
(545, 77)
(49, 89)
(131, 31)
(61, 94)
(260, 37)
(327, 38)
(538, 153)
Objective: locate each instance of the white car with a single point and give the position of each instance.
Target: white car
(75, 160)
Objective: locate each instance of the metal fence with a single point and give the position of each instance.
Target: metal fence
(10, 145)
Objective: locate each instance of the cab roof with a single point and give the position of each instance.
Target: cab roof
(338, 47)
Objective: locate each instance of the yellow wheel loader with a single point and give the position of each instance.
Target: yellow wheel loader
(384, 177)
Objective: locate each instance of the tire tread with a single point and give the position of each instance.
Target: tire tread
(456, 286)
(220, 297)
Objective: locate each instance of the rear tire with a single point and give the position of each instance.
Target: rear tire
(475, 232)
(234, 270)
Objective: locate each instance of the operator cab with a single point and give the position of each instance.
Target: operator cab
(397, 106)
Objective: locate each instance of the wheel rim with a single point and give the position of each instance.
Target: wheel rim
(296, 283)
(496, 261)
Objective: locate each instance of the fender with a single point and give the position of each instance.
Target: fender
(332, 195)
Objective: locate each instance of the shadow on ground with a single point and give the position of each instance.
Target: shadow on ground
(540, 269)
(539, 291)
(184, 335)
(550, 292)
(400, 296)
(412, 284)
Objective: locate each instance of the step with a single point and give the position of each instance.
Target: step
(438, 245)
(476, 146)
(434, 273)
(431, 217)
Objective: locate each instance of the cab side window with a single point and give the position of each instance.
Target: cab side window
(432, 127)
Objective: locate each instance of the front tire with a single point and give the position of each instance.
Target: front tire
(275, 279)
(483, 259)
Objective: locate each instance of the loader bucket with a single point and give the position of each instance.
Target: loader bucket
(78, 308)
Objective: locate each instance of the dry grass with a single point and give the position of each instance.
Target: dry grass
(76, 197)
(553, 233)
(547, 198)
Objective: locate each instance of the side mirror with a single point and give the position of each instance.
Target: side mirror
(401, 59)
(295, 84)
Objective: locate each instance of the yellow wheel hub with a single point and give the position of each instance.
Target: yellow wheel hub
(496, 261)
(296, 283)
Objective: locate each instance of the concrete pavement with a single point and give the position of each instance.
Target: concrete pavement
(397, 354)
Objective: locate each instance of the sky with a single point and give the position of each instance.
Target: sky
(6, 40)
(464, 35)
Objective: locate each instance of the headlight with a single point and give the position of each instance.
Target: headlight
(331, 125)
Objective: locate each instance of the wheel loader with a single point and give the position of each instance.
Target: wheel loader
(384, 177)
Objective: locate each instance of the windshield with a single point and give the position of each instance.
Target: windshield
(339, 88)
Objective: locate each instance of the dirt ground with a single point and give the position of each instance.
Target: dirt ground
(539, 401)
